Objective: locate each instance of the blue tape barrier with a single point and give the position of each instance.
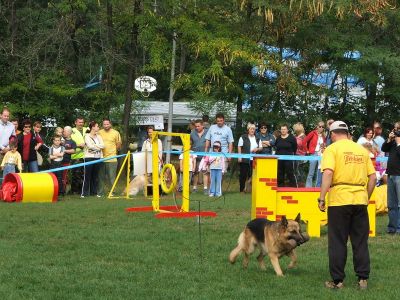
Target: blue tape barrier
(280, 157)
(82, 164)
(228, 155)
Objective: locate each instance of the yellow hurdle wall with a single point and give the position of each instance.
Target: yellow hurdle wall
(272, 202)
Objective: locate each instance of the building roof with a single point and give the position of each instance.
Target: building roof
(182, 113)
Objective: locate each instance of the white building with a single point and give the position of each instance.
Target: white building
(156, 113)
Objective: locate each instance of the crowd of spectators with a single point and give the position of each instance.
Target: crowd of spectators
(20, 150)
(286, 140)
(82, 144)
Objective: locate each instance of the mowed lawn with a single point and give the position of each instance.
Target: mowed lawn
(91, 248)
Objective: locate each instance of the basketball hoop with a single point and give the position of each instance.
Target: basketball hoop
(145, 85)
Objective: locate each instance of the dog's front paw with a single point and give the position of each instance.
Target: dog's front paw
(292, 265)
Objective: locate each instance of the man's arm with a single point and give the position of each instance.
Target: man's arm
(272, 140)
(230, 150)
(207, 146)
(371, 184)
(326, 184)
(118, 142)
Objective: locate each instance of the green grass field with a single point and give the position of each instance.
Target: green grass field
(91, 248)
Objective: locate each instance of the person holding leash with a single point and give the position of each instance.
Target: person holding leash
(350, 175)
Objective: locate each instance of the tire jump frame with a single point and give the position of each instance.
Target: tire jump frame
(170, 211)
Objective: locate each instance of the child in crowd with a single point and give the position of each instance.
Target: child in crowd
(381, 196)
(56, 154)
(373, 153)
(217, 167)
(59, 132)
(11, 160)
(192, 166)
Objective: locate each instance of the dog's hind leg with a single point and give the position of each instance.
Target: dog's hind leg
(234, 254)
(249, 242)
(293, 259)
(239, 248)
(246, 260)
(261, 256)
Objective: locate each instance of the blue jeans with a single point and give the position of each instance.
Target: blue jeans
(393, 194)
(311, 172)
(8, 168)
(31, 166)
(216, 181)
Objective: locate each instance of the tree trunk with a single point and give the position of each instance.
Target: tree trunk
(239, 120)
(132, 72)
(13, 27)
(182, 61)
(326, 100)
(111, 44)
(370, 105)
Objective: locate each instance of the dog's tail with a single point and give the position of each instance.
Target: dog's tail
(235, 252)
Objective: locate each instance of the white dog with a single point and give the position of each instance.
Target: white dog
(136, 185)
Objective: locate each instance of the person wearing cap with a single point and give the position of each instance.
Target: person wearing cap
(392, 146)
(217, 169)
(350, 175)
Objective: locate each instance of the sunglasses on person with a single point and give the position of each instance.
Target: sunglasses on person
(27, 126)
(263, 127)
(321, 126)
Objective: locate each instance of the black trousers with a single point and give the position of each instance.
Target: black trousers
(90, 178)
(286, 169)
(245, 172)
(344, 222)
(58, 174)
(76, 177)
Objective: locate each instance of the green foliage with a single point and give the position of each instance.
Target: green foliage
(50, 50)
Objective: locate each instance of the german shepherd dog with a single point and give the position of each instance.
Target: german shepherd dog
(273, 238)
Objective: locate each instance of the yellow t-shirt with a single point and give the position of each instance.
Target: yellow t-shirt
(351, 165)
(111, 139)
(13, 158)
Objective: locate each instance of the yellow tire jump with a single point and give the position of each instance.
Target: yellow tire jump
(163, 177)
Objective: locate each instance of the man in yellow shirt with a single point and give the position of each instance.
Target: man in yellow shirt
(350, 175)
(112, 143)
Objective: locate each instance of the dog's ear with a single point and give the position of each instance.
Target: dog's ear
(284, 222)
(298, 218)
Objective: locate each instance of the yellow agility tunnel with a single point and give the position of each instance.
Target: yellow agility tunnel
(273, 202)
(31, 187)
